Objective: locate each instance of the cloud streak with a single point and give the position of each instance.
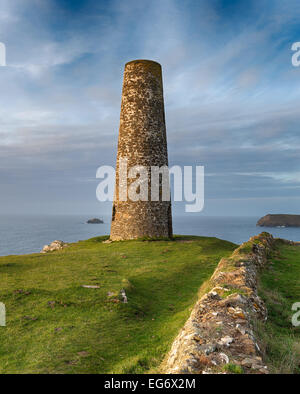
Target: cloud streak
(231, 93)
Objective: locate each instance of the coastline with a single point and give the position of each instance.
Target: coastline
(27, 234)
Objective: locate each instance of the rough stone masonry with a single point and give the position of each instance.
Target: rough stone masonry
(143, 142)
(219, 331)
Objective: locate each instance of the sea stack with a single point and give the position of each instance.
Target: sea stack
(142, 142)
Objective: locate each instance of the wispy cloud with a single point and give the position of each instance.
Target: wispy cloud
(231, 93)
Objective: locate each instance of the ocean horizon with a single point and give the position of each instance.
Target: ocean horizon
(24, 234)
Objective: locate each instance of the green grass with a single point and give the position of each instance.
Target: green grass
(54, 325)
(280, 288)
(233, 368)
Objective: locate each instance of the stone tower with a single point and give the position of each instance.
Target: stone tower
(143, 142)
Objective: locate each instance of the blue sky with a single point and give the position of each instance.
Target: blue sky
(231, 98)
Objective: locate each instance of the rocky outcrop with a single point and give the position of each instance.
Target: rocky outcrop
(55, 245)
(279, 221)
(218, 337)
(95, 221)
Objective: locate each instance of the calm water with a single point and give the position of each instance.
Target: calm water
(28, 234)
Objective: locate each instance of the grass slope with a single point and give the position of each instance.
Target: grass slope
(280, 288)
(54, 325)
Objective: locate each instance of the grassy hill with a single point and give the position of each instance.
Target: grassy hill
(54, 325)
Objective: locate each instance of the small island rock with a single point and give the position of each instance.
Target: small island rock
(95, 221)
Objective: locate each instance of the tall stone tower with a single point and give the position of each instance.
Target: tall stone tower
(142, 142)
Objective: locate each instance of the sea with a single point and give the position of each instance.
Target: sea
(29, 233)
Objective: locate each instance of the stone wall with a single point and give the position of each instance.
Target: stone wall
(143, 142)
(218, 336)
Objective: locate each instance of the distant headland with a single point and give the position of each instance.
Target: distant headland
(279, 221)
